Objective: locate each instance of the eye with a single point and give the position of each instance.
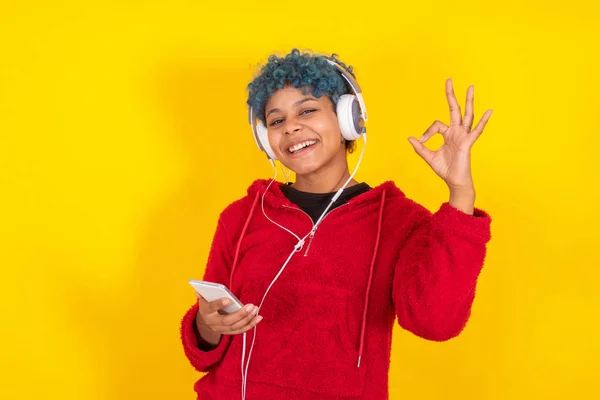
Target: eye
(303, 112)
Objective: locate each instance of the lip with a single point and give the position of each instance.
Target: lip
(295, 142)
(304, 151)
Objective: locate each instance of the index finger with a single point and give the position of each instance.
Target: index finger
(455, 112)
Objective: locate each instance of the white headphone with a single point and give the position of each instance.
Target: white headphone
(350, 109)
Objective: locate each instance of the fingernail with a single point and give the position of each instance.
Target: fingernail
(249, 307)
(259, 319)
(422, 138)
(225, 302)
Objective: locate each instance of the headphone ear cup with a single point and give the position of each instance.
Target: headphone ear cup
(348, 113)
(263, 140)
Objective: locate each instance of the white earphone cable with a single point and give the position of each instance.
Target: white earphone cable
(339, 192)
(297, 248)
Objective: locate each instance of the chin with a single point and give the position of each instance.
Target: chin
(301, 166)
(304, 168)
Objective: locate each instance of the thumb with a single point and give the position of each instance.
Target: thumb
(421, 149)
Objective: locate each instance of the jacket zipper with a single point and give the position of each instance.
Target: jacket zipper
(312, 234)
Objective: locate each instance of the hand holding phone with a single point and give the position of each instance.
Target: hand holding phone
(214, 317)
(211, 291)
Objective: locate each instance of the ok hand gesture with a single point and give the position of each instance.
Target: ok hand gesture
(452, 161)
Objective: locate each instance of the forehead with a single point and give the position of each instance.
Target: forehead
(286, 97)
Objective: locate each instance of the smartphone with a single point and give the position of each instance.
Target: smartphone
(214, 291)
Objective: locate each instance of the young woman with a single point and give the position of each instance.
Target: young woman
(323, 292)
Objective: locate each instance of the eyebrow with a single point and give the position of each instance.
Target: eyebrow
(296, 104)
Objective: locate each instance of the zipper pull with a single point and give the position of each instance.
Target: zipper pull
(312, 234)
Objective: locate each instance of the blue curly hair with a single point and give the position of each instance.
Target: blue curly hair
(306, 71)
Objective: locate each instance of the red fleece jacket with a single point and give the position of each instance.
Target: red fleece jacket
(377, 257)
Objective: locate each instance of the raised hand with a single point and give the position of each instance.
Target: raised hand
(452, 161)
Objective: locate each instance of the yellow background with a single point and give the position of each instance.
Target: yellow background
(123, 133)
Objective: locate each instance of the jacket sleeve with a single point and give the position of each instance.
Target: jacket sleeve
(437, 270)
(217, 270)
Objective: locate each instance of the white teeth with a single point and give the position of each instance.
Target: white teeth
(302, 145)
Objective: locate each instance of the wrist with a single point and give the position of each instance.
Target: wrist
(463, 199)
(207, 338)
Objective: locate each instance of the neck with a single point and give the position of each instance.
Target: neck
(329, 178)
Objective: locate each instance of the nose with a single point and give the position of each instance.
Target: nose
(292, 126)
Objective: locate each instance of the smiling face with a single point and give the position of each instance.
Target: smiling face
(303, 131)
